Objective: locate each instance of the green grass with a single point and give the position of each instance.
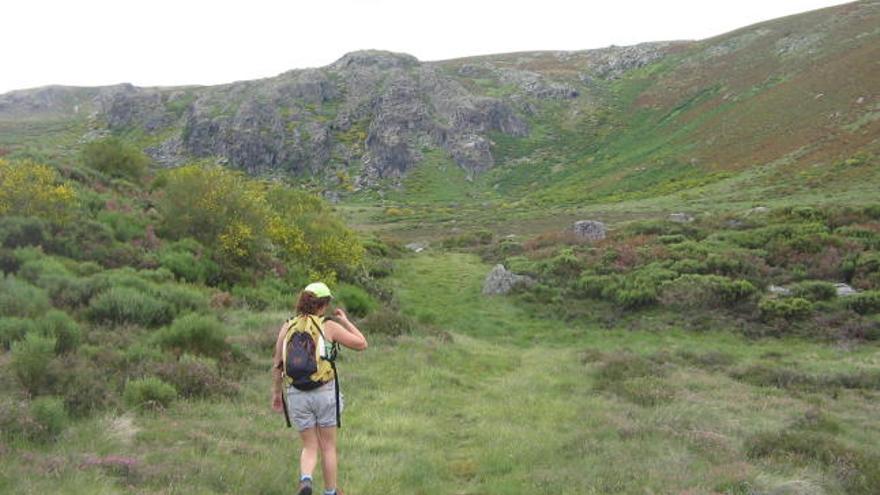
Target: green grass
(492, 400)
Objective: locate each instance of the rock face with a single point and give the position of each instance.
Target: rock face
(590, 230)
(844, 290)
(371, 114)
(501, 281)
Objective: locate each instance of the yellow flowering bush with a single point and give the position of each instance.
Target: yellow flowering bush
(33, 189)
(244, 220)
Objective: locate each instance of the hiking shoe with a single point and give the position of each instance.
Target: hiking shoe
(305, 488)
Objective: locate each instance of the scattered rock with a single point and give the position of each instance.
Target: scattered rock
(680, 217)
(417, 247)
(501, 281)
(591, 230)
(779, 290)
(844, 290)
(758, 210)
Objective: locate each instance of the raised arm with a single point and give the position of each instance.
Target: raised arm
(345, 332)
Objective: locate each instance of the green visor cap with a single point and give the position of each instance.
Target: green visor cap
(319, 289)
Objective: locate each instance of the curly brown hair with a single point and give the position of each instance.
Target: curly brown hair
(310, 304)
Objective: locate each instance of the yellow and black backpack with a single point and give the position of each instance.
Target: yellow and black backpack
(309, 361)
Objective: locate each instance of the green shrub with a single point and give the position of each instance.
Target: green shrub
(710, 291)
(123, 305)
(386, 321)
(196, 334)
(125, 226)
(13, 329)
(149, 394)
(30, 358)
(19, 298)
(61, 327)
(34, 271)
(67, 292)
(83, 385)
(790, 308)
(50, 418)
(157, 276)
(195, 376)
(189, 261)
(115, 158)
(672, 239)
(594, 286)
(865, 303)
(262, 297)
(814, 290)
(84, 240)
(355, 300)
(476, 238)
(565, 265)
(22, 231)
(688, 265)
(15, 418)
(9, 264)
(182, 298)
(380, 268)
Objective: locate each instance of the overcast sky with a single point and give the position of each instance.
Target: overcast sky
(172, 42)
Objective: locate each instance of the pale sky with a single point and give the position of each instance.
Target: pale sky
(175, 42)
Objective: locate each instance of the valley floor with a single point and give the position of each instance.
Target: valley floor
(494, 400)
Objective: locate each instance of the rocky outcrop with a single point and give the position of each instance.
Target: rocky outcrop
(501, 281)
(371, 113)
(589, 230)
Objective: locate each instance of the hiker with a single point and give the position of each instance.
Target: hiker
(312, 401)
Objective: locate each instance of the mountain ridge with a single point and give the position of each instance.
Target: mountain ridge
(756, 95)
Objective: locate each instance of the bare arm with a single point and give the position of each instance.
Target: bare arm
(276, 369)
(345, 332)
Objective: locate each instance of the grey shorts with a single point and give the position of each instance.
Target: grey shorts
(312, 408)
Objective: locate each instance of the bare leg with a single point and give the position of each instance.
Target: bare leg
(327, 440)
(308, 459)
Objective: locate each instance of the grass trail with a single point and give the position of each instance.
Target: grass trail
(491, 404)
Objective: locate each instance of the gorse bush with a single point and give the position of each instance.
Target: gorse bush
(150, 394)
(22, 231)
(125, 226)
(195, 334)
(790, 308)
(386, 321)
(82, 385)
(249, 223)
(30, 357)
(356, 300)
(196, 376)
(61, 327)
(115, 158)
(50, 418)
(13, 329)
(31, 189)
(865, 303)
(814, 290)
(124, 305)
(19, 298)
(710, 291)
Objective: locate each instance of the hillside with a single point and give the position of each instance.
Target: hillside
(792, 99)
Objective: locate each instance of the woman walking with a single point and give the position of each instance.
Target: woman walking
(304, 343)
